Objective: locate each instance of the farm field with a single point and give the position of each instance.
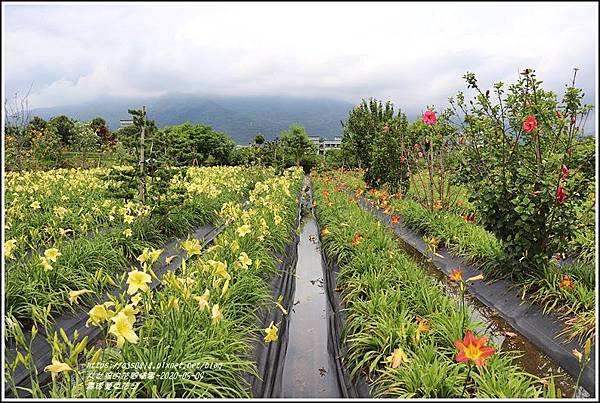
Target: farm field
(177, 315)
(263, 201)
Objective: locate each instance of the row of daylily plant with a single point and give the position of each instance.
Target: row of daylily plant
(402, 333)
(192, 336)
(567, 289)
(46, 275)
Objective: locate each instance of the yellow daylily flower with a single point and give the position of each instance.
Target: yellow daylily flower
(138, 280)
(45, 264)
(99, 314)
(245, 260)
(271, 333)
(243, 230)
(57, 367)
(128, 219)
(52, 254)
(235, 246)
(9, 248)
(130, 311)
(136, 299)
(278, 220)
(173, 303)
(397, 358)
(220, 269)
(191, 246)
(60, 211)
(145, 256)
(35, 205)
(203, 300)
(216, 314)
(225, 288)
(74, 295)
(155, 254)
(128, 233)
(123, 329)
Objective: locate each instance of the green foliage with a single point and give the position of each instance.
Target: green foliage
(193, 144)
(259, 139)
(375, 139)
(46, 150)
(297, 146)
(65, 128)
(515, 174)
(84, 140)
(386, 296)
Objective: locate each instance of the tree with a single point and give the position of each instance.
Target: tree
(37, 123)
(190, 144)
(259, 139)
(102, 131)
(372, 127)
(129, 136)
(84, 140)
(64, 127)
(296, 144)
(364, 122)
(16, 116)
(45, 147)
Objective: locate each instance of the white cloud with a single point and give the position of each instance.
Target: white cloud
(414, 54)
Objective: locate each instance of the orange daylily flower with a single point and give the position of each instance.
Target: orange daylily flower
(473, 348)
(395, 219)
(566, 282)
(325, 232)
(423, 325)
(326, 194)
(357, 239)
(456, 274)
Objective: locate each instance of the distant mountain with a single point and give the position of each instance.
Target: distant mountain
(239, 117)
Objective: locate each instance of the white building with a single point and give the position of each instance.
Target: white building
(125, 122)
(324, 145)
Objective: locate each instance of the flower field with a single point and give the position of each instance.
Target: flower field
(108, 297)
(403, 333)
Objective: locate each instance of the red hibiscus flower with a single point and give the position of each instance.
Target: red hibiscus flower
(560, 195)
(429, 117)
(529, 124)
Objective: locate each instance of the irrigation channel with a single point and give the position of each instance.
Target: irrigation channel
(308, 370)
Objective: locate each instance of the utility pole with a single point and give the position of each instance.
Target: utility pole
(142, 158)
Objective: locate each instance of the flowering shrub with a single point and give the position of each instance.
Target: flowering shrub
(517, 146)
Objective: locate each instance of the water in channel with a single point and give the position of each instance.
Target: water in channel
(308, 371)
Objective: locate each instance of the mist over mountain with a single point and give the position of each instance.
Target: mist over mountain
(241, 117)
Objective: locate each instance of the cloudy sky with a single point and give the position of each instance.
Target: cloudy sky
(413, 54)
